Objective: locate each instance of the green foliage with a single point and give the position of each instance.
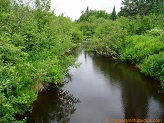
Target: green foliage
(33, 49)
(109, 37)
(159, 21)
(138, 47)
(139, 25)
(17, 87)
(135, 7)
(141, 7)
(113, 15)
(129, 39)
(87, 28)
(147, 52)
(77, 35)
(157, 7)
(97, 13)
(154, 66)
(156, 32)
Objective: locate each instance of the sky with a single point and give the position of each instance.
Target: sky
(73, 8)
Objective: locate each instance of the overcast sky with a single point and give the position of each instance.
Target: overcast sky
(73, 8)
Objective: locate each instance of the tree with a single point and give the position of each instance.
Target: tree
(135, 7)
(157, 7)
(113, 15)
(97, 13)
(141, 7)
(84, 15)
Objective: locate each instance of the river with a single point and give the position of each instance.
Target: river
(98, 91)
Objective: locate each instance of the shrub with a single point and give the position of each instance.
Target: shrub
(154, 66)
(33, 46)
(139, 47)
(156, 32)
(17, 87)
(109, 38)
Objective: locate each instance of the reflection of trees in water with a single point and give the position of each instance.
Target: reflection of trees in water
(53, 106)
(134, 100)
(67, 106)
(68, 78)
(77, 52)
(135, 88)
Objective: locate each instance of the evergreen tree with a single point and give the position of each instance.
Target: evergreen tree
(157, 7)
(141, 7)
(135, 7)
(113, 15)
(97, 13)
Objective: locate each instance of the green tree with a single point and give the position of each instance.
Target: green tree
(134, 7)
(157, 7)
(85, 15)
(141, 7)
(97, 13)
(113, 15)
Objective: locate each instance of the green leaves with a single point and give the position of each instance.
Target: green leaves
(141, 7)
(90, 13)
(139, 47)
(113, 15)
(108, 37)
(156, 32)
(133, 8)
(138, 39)
(154, 66)
(32, 51)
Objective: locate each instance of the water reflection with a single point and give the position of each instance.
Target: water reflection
(137, 92)
(107, 89)
(53, 106)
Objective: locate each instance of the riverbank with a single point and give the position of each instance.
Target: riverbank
(145, 52)
(34, 52)
(138, 40)
(99, 89)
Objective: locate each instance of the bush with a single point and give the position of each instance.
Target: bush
(77, 35)
(17, 87)
(137, 48)
(156, 32)
(33, 46)
(154, 66)
(109, 38)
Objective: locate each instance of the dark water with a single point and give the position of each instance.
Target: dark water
(100, 90)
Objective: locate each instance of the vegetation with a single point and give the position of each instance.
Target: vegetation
(135, 35)
(113, 15)
(139, 47)
(97, 13)
(141, 7)
(33, 52)
(34, 45)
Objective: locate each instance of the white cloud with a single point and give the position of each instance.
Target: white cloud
(73, 8)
